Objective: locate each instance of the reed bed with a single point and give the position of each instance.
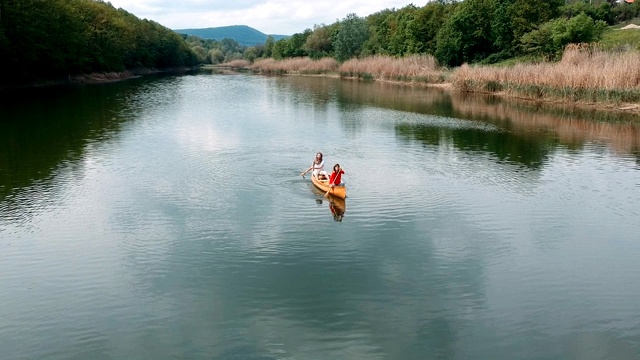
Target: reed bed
(300, 65)
(584, 74)
(238, 63)
(414, 68)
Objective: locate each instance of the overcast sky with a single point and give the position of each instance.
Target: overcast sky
(280, 17)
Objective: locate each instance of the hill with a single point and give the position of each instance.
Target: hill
(243, 34)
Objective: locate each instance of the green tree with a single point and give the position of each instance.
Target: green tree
(250, 53)
(232, 56)
(279, 49)
(201, 53)
(598, 10)
(268, 46)
(526, 15)
(215, 56)
(624, 11)
(449, 42)
(381, 25)
(56, 38)
(295, 44)
(351, 35)
(230, 46)
(424, 29)
(467, 35)
(318, 43)
(401, 38)
(502, 27)
(552, 37)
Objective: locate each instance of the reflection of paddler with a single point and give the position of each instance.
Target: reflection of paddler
(337, 207)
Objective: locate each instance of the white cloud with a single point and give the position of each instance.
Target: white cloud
(271, 16)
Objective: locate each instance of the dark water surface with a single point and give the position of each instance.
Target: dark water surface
(166, 218)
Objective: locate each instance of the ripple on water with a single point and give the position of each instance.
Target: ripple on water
(194, 217)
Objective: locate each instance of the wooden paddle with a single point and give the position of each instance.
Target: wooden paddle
(330, 188)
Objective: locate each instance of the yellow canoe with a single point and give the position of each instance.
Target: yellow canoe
(337, 191)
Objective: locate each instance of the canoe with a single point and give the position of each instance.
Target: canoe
(337, 191)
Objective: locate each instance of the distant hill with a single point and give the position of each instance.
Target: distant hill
(243, 34)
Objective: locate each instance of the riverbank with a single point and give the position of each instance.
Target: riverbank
(615, 86)
(97, 78)
(628, 108)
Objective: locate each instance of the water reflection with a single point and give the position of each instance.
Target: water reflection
(551, 124)
(45, 135)
(337, 206)
(194, 252)
(573, 128)
(526, 149)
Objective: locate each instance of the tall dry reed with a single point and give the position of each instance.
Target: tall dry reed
(583, 74)
(302, 65)
(238, 63)
(420, 68)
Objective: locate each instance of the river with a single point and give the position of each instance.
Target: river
(165, 217)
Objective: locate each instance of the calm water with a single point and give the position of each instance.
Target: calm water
(166, 218)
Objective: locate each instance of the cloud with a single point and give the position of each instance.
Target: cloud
(271, 16)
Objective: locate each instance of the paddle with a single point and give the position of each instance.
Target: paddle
(330, 188)
(336, 178)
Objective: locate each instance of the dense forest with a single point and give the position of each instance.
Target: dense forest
(53, 39)
(458, 32)
(454, 32)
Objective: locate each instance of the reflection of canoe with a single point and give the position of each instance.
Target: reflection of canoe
(337, 191)
(339, 204)
(337, 207)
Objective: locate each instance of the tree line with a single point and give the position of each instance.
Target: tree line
(458, 32)
(56, 38)
(454, 32)
(49, 39)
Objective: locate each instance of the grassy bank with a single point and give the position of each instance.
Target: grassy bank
(606, 78)
(97, 78)
(583, 75)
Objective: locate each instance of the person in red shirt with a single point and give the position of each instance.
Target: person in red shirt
(336, 176)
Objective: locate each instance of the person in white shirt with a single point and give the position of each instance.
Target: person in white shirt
(317, 168)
